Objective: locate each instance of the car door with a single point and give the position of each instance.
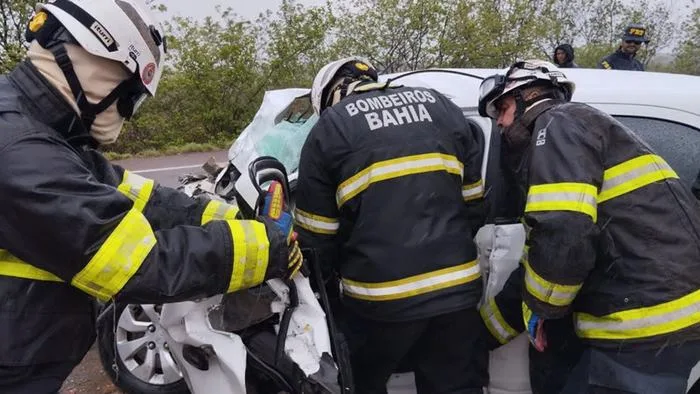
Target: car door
(675, 136)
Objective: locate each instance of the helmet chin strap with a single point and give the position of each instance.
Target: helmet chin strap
(521, 105)
(88, 111)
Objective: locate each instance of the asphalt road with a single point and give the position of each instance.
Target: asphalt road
(89, 377)
(167, 169)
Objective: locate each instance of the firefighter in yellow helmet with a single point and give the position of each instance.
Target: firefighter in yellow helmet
(612, 238)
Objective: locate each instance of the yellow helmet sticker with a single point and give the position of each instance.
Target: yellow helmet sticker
(361, 66)
(38, 21)
(637, 32)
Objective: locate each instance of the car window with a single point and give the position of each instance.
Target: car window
(678, 144)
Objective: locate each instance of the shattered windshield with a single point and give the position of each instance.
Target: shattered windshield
(279, 129)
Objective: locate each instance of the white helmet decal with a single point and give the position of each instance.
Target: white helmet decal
(119, 30)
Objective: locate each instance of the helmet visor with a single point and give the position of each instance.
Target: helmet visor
(489, 90)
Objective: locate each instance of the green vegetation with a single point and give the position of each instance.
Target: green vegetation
(219, 68)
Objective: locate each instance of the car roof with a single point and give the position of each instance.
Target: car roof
(678, 91)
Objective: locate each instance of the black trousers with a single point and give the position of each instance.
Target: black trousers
(34, 379)
(447, 353)
(550, 370)
(627, 370)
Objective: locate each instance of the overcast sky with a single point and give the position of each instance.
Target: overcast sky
(250, 9)
(247, 9)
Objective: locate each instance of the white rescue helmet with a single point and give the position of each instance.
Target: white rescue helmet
(119, 30)
(519, 76)
(326, 76)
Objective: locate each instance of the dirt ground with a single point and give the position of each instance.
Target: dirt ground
(89, 377)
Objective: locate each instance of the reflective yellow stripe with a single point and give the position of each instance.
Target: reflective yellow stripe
(118, 259)
(527, 315)
(567, 196)
(473, 191)
(546, 291)
(12, 266)
(414, 285)
(250, 254)
(316, 223)
(395, 168)
(217, 210)
(137, 188)
(496, 324)
(642, 322)
(634, 174)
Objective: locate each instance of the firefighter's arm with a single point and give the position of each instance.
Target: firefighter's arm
(60, 219)
(565, 175)
(472, 182)
(471, 154)
(166, 208)
(502, 314)
(316, 216)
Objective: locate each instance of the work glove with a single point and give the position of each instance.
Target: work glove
(276, 211)
(535, 328)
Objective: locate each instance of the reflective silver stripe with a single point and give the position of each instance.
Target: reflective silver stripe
(633, 174)
(642, 322)
(565, 196)
(395, 168)
(496, 324)
(217, 210)
(137, 188)
(473, 191)
(118, 259)
(250, 254)
(546, 291)
(414, 285)
(316, 223)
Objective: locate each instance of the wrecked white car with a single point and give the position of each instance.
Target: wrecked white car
(666, 118)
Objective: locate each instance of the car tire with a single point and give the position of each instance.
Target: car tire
(122, 372)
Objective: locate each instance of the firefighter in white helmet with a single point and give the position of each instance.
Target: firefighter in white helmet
(390, 195)
(73, 227)
(611, 237)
